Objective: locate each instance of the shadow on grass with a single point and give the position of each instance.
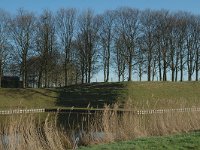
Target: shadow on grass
(90, 95)
(94, 95)
(44, 92)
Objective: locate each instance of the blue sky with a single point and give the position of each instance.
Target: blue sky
(100, 5)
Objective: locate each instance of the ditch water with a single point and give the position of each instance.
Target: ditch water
(80, 125)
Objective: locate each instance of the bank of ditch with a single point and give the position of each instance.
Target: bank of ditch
(30, 131)
(69, 131)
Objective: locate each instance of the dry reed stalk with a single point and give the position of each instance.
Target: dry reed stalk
(128, 125)
(24, 132)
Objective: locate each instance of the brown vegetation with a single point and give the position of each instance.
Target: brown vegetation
(27, 132)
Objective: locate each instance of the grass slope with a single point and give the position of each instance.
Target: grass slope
(95, 95)
(27, 98)
(143, 95)
(181, 141)
(164, 94)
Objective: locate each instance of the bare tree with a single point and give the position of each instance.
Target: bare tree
(180, 37)
(119, 57)
(66, 20)
(46, 46)
(197, 47)
(141, 58)
(191, 39)
(163, 42)
(106, 38)
(63, 48)
(21, 30)
(3, 40)
(148, 30)
(81, 56)
(88, 26)
(128, 27)
(173, 53)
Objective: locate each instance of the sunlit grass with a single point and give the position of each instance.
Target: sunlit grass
(144, 95)
(152, 95)
(179, 141)
(27, 98)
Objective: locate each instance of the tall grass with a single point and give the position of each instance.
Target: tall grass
(26, 132)
(23, 132)
(126, 125)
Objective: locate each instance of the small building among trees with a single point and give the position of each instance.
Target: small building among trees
(11, 82)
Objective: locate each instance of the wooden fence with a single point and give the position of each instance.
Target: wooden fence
(91, 111)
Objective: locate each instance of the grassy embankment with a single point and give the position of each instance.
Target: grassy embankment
(110, 125)
(94, 95)
(27, 98)
(143, 95)
(158, 95)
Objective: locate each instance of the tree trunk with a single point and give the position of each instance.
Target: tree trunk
(89, 72)
(66, 74)
(86, 75)
(189, 62)
(82, 73)
(176, 74)
(164, 67)
(104, 71)
(149, 64)
(159, 65)
(140, 72)
(172, 64)
(149, 71)
(45, 76)
(76, 81)
(24, 70)
(181, 64)
(176, 67)
(67, 60)
(119, 76)
(0, 72)
(108, 65)
(197, 65)
(154, 70)
(130, 68)
(173, 71)
(40, 79)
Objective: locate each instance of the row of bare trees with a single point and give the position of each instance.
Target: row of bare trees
(68, 47)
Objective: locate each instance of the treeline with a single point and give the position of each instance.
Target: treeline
(68, 47)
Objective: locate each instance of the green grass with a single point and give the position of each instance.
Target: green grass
(92, 95)
(164, 94)
(180, 141)
(160, 90)
(143, 95)
(27, 98)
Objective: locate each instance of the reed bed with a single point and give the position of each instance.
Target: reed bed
(128, 125)
(21, 132)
